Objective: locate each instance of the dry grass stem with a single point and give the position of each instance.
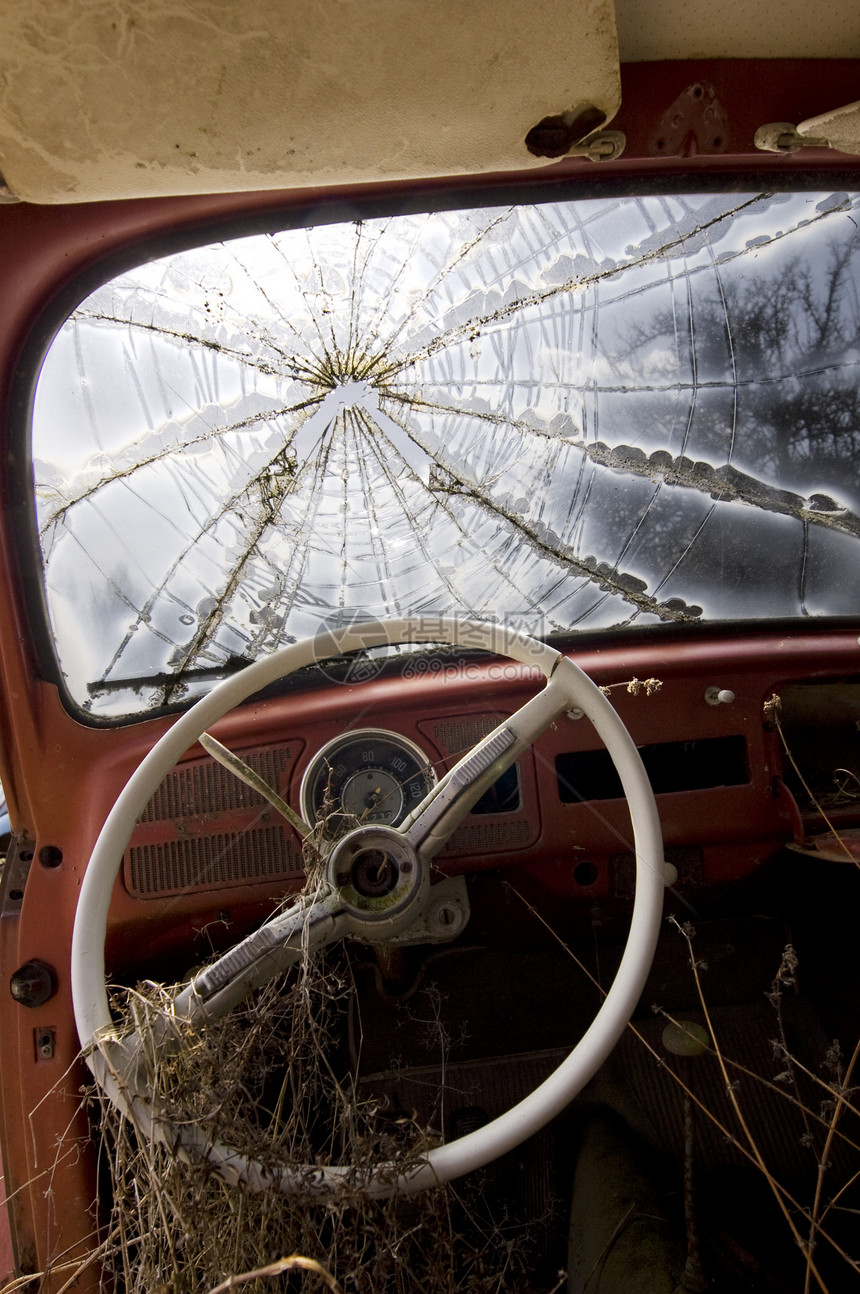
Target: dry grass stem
(294, 1263)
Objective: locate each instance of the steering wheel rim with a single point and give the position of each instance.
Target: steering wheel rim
(98, 1034)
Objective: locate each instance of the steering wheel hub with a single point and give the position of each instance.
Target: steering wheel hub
(376, 874)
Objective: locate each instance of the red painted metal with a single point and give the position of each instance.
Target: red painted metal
(62, 777)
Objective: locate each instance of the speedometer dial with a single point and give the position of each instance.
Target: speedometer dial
(367, 776)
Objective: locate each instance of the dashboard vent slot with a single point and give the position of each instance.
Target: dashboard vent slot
(213, 862)
(207, 787)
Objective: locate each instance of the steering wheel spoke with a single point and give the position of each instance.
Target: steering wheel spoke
(269, 951)
(431, 823)
(227, 759)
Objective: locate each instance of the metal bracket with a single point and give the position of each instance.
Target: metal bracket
(783, 137)
(695, 123)
(446, 914)
(605, 146)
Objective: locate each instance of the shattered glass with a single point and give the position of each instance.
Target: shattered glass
(569, 416)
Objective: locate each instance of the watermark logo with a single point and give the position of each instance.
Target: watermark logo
(353, 649)
(357, 654)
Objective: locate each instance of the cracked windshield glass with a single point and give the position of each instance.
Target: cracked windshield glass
(571, 416)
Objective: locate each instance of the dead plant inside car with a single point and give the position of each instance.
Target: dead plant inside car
(273, 1081)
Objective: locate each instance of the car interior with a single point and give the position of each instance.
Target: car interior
(429, 647)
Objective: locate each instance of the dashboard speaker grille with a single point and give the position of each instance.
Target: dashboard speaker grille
(211, 862)
(488, 838)
(459, 735)
(207, 787)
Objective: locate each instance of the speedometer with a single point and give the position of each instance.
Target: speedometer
(366, 776)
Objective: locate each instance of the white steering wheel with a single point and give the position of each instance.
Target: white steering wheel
(400, 904)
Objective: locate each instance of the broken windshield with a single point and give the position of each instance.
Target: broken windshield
(570, 416)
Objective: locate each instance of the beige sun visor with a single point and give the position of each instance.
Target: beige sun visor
(839, 129)
(144, 98)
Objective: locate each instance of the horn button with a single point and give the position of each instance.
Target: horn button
(376, 872)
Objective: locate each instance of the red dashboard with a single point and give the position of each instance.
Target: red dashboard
(209, 849)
